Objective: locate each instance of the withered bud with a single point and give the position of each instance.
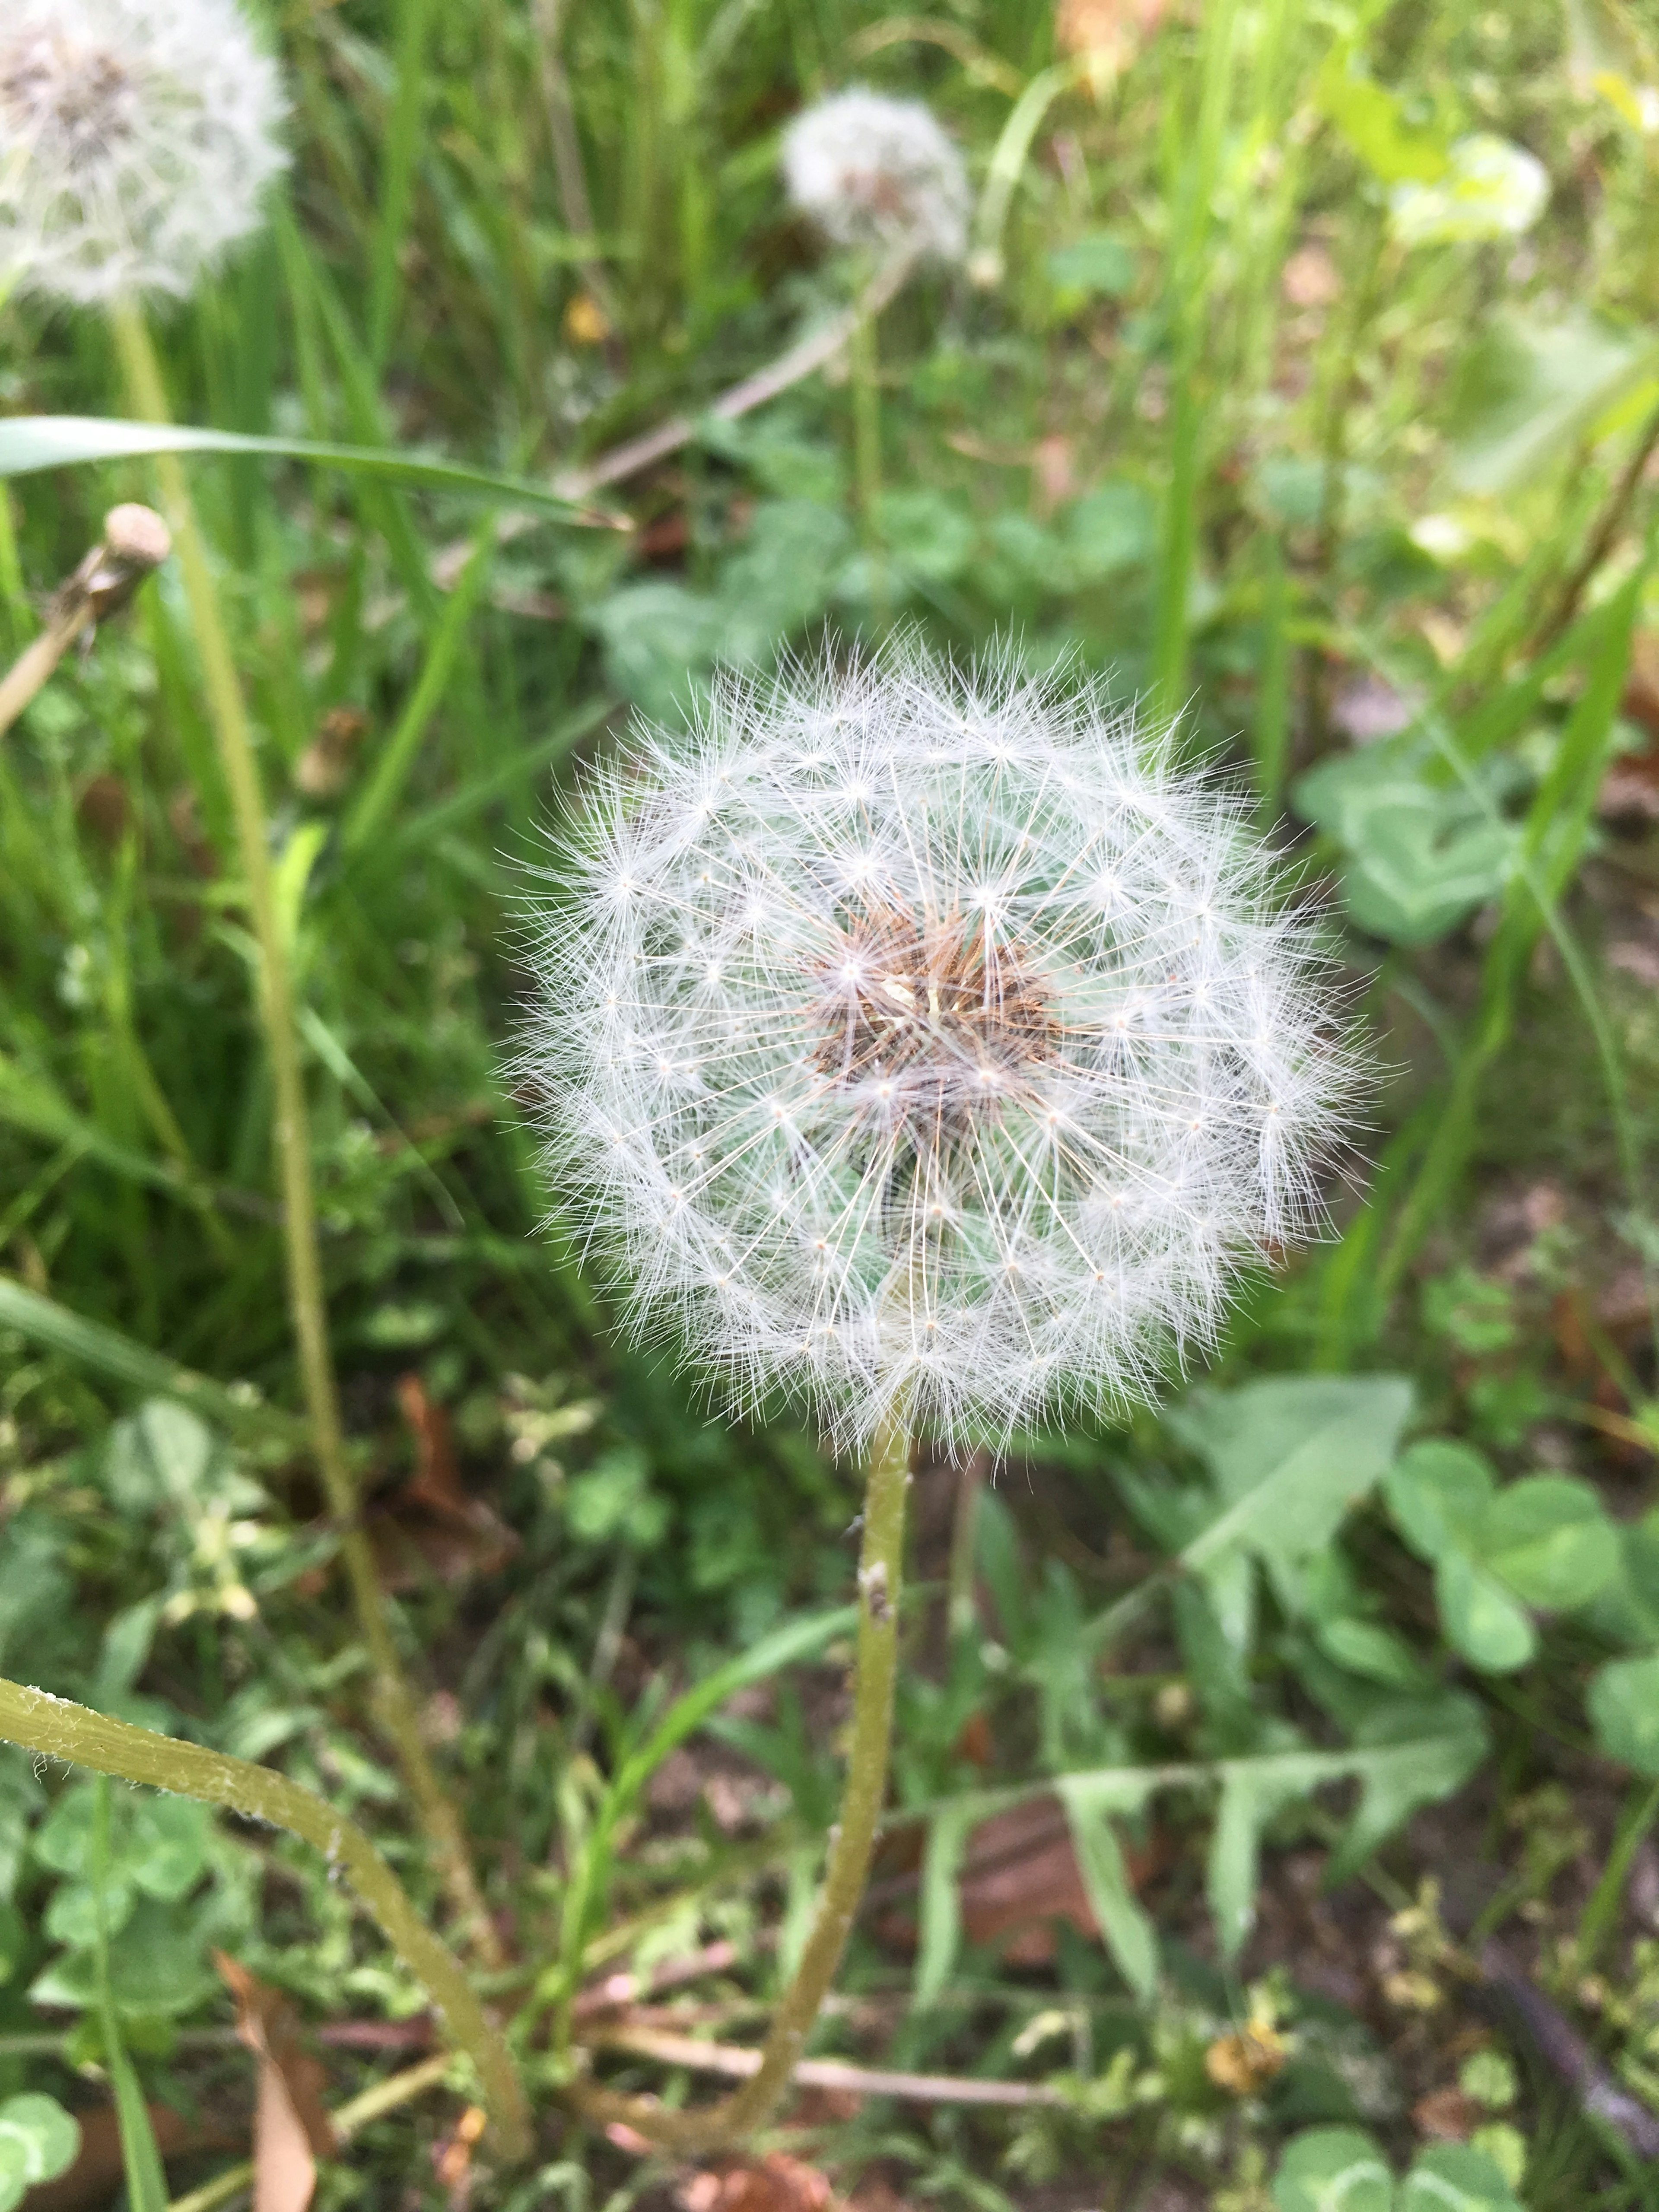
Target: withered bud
(135, 541)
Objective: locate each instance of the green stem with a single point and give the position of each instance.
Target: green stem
(853, 1839)
(57, 1730)
(395, 1700)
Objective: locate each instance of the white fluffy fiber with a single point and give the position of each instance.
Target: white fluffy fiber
(136, 138)
(871, 171)
(929, 1042)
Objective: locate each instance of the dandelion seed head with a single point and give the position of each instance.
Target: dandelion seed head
(989, 1145)
(135, 139)
(871, 171)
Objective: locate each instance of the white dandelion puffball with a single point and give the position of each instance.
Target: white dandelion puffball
(930, 1043)
(1492, 188)
(136, 138)
(871, 171)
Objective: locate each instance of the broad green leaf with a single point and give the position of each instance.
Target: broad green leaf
(658, 637)
(1456, 2178)
(782, 578)
(1100, 263)
(38, 2140)
(1375, 125)
(1333, 2170)
(1529, 388)
(168, 1846)
(1290, 1455)
(1551, 1540)
(1624, 1708)
(1367, 1649)
(926, 534)
(1429, 1761)
(1113, 528)
(30, 442)
(1480, 1617)
(155, 1966)
(1437, 1492)
(1419, 857)
(159, 1457)
(1091, 1802)
(940, 1915)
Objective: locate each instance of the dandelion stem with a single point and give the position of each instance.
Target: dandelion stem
(57, 1730)
(881, 1570)
(393, 1697)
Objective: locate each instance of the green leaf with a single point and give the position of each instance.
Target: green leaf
(155, 1966)
(1374, 1652)
(1333, 2170)
(613, 1503)
(1480, 1617)
(1290, 1455)
(1252, 1792)
(1371, 119)
(160, 1457)
(1114, 528)
(30, 442)
(1456, 2178)
(1090, 1800)
(1528, 388)
(940, 1914)
(1438, 1493)
(1419, 857)
(1551, 1540)
(168, 1846)
(926, 534)
(1099, 263)
(1624, 1708)
(38, 2140)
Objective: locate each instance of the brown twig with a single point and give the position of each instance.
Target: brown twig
(736, 2064)
(790, 369)
(134, 542)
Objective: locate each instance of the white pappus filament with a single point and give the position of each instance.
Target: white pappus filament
(946, 1052)
(137, 138)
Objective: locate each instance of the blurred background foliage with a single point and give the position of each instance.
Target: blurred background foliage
(1264, 388)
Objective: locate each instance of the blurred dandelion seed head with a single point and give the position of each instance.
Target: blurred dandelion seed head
(871, 171)
(136, 138)
(911, 1037)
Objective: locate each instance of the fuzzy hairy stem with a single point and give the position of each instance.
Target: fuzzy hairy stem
(57, 1730)
(881, 1571)
(395, 1702)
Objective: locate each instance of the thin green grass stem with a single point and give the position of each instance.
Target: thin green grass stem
(394, 1698)
(853, 1839)
(55, 1729)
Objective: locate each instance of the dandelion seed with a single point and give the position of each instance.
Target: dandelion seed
(871, 171)
(135, 139)
(931, 1145)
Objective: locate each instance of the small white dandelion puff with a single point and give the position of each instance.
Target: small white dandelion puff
(930, 1043)
(135, 139)
(871, 171)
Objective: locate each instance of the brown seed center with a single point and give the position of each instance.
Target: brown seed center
(79, 95)
(932, 1018)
